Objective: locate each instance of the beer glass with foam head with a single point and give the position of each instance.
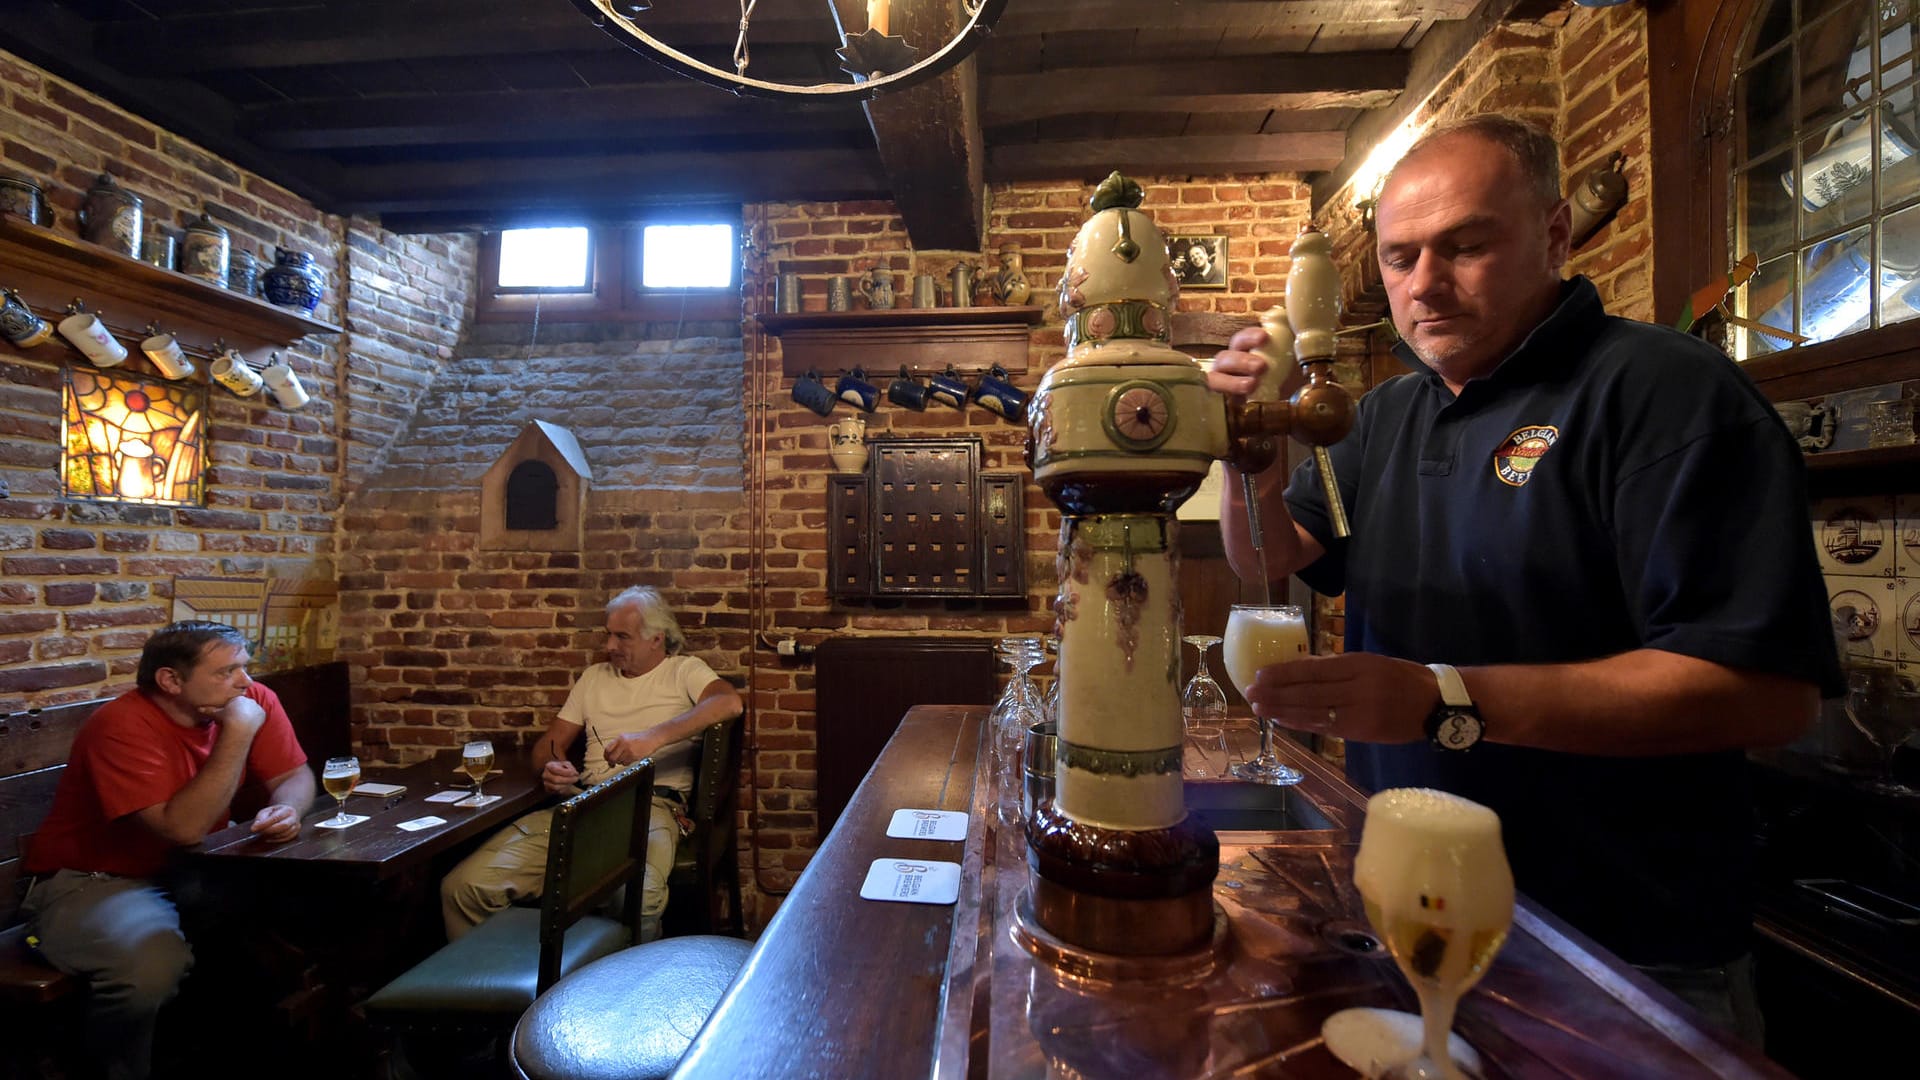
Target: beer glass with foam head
(1260, 635)
(339, 778)
(1433, 874)
(477, 759)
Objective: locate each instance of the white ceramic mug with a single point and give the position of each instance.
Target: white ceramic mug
(90, 336)
(285, 385)
(167, 355)
(232, 371)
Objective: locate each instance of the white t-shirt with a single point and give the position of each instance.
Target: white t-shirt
(610, 704)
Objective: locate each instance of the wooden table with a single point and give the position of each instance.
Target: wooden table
(840, 986)
(378, 849)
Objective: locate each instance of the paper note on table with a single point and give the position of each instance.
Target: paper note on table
(422, 823)
(378, 791)
(913, 881)
(449, 796)
(477, 801)
(928, 824)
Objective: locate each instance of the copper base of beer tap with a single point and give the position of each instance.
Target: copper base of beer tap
(1146, 892)
(1077, 962)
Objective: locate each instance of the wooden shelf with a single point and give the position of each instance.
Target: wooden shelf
(926, 340)
(49, 269)
(1886, 469)
(1878, 457)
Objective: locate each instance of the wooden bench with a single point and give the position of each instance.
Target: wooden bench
(33, 754)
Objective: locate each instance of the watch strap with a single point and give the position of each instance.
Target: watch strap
(1453, 689)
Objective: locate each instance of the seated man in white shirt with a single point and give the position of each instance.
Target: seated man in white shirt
(647, 700)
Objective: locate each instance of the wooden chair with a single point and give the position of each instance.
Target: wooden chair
(487, 978)
(704, 889)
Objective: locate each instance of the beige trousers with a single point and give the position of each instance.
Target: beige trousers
(512, 865)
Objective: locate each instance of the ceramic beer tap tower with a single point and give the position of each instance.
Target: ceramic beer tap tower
(1121, 432)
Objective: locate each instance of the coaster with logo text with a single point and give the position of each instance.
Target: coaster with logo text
(911, 824)
(449, 796)
(419, 823)
(912, 881)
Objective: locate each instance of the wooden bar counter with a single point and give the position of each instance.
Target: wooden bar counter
(844, 987)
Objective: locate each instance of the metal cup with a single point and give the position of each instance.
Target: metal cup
(839, 294)
(1043, 742)
(786, 293)
(926, 293)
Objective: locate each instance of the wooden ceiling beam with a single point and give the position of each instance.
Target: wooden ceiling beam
(1318, 80)
(553, 185)
(1034, 17)
(1092, 159)
(1004, 108)
(929, 135)
(416, 29)
(679, 110)
(1440, 51)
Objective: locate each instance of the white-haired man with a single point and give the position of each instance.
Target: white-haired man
(646, 700)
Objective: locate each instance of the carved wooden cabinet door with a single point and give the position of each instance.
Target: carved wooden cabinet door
(925, 521)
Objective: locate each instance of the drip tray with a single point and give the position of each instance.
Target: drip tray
(1237, 807)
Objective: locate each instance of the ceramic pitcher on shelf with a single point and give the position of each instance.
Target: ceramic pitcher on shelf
(847, 444)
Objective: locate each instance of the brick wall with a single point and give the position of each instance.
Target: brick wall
(82, 584)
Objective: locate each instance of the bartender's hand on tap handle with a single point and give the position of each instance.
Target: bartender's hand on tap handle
(1238, 369)
(1372, 698)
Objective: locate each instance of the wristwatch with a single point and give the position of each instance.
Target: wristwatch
(1454, 724)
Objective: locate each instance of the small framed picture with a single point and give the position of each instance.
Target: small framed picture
(1199, 261)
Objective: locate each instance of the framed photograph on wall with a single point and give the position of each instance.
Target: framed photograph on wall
(1199, 261)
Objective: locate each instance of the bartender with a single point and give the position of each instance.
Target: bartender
(1580, 581)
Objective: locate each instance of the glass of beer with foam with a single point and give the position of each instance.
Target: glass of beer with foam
(1259, 635)
(1433, 874)
(338, 777)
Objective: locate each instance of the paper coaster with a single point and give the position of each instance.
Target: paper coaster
(477, 801)
(913, 881)
(928, 825)
(449, 796)
(341, 823)
(422, 823)
(378, 791)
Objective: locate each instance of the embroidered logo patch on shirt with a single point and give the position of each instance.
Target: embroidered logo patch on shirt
(1513, 462)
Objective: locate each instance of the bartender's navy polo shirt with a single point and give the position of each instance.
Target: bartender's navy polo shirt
(1612, 485)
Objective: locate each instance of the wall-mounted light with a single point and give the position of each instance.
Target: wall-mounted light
(1597, 195)
(132, 440)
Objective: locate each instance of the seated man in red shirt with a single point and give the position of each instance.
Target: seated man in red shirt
(155, 769)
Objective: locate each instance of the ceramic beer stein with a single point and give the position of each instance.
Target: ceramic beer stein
(23, 199)
(284, 383)
(19, 324)
(847, 444)
(854, 389)
(92, 338)
(111, 217)
(906, 391)
(205, 250)
(166, 354)
(808, 390)
(232, 371)
(997, 394)
(877, 286)
(948, 388)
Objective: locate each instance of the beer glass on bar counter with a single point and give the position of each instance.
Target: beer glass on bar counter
(1433, 875)
(339, 778)
(1259, 635)
(477, 759)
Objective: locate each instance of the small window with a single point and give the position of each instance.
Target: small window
(687, 256)
(559, 258)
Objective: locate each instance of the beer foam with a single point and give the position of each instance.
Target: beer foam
(1260, 637)
(1437, 853)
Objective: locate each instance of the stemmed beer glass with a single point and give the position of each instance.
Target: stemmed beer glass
(339, 777)
(1886, 712)
(1259, 635)
(1433, 875)
(477, 759)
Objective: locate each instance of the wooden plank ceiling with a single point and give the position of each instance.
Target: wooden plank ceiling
(455, 114)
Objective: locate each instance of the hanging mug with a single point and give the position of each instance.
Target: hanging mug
(166, 354)
(232, 371)
(19, 324)
(280, 379)
(854, 389)
(90, 336)
(948, 388)
(906, 391)
(839, 294)
(997, 394)
(808, 390)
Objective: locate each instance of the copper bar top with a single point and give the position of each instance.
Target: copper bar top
(843, 987)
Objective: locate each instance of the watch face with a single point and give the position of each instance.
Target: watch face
(1457, 730)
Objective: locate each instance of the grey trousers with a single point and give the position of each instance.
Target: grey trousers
(122, 935)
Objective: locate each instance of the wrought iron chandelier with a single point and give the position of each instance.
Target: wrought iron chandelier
(875, 60)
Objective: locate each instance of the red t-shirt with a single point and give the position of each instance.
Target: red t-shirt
(130, 755)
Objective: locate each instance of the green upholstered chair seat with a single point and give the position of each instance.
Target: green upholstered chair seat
(628, 1016)
(495, 967)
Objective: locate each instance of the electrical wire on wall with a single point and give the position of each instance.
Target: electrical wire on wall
(759, 385)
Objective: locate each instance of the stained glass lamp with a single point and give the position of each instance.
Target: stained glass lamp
(129, 440)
